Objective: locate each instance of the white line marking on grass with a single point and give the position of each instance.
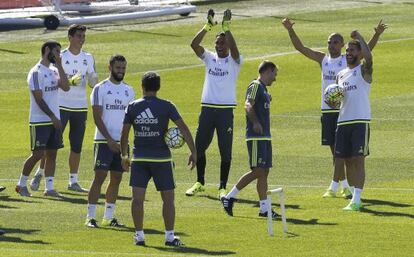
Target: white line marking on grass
(291, 186)
(106, 253)
(246, 59)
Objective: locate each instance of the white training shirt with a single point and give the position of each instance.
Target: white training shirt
(113, 98)
(330, 68)
(355, 107)
(46, 79)
(75, 99)
(219, 89)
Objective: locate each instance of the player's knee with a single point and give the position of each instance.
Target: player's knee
(137, 201)
(76, 148)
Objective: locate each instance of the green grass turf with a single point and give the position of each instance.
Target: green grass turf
(44, 227)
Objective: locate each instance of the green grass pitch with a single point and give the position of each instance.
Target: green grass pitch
(41, 226)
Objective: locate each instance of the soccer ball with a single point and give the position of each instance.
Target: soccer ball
(333, 95)
(173, 138)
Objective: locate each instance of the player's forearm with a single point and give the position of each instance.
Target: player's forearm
(251, 114)
(365, 50)
(232, 45)
(373, 41)
(124, 140)
(63, 81)
(102, 128)
(92, 79)
(45, 108)
(195, 43)
(295, 40)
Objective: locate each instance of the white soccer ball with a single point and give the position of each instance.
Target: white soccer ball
(334, 94)
(173, 138)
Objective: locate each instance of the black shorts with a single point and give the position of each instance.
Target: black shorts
(260, 153)
(328, 122)
(77, 122)
(221, 120)
(161, 172)
(105, 159)
(352, 140)
(45, 137)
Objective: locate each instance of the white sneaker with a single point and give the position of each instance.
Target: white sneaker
(35, 182)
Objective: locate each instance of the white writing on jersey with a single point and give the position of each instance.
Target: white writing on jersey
(114, 99)
(355, 105)
(83, 64)
(45, 79)
(330, 68)
(220, 79)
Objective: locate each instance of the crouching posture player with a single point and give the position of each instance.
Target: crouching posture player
(109, 100)
(149, 117)
(258, 138)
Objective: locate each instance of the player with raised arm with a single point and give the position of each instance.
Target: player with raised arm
(258, 138)
(79, 67)
(352, 136)
(109, 100)
(149, 116)
(218, 99)
(330, 64)
(44, 80)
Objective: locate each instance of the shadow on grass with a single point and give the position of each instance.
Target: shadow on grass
(7, 198)
(13, 239)
(11, 51)
(147, 231)
(387, 214)
(82, 200)
(292, 220)
(368, 202)
(253, 203)
(193, 250)
(210, 2)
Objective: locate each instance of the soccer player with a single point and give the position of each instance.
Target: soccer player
(258, 138)
(44, 79)
(109, 99)
(149, 116)
(352, 136)
(330, 64)
(79, 67)
(218, 99)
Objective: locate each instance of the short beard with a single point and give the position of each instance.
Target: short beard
(116, 77)
(353, 61)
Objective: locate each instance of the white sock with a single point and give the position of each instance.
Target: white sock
(356, 197)
(23, 181)
(49, 183)
(263, 205)
(233, 192)
(334, 186)
(169, 235)
(40, 172)
(91, 211)
(352, 188)
(73, 178)
(140, 235)
(344, 183)
(109, 211)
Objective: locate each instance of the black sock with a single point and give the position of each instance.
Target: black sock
(224, 173)
(201, 168)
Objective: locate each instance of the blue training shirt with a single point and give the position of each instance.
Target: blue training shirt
(258, 92)
(149, 117)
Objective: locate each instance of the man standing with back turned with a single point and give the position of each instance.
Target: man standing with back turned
(218, 99)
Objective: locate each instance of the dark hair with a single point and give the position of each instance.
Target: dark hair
(337, 35)
(221, 34)
(75, 27)
(265, 65)
(51, 44)
(355, 43)
(116, 58)
(151, 81)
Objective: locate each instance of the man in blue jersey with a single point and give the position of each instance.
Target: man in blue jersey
(330, 63)
(149, 116)
(258, 139)
(218, 99)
